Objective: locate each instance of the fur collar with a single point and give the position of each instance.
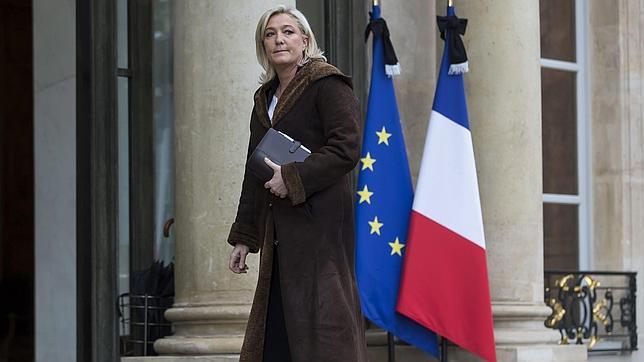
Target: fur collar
(305, 76)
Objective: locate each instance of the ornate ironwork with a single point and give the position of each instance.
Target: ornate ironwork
(582, 309)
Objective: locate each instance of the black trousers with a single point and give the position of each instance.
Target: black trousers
(275, 338)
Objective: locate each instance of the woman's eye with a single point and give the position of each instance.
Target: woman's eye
(288, 32)
(269, 34)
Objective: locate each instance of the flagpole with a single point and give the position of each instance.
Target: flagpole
(391, 347)
(443, 347)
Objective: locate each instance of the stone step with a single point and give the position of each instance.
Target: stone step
(403, 354)
(219, 358)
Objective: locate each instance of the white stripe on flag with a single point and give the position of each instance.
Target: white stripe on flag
(447, 189)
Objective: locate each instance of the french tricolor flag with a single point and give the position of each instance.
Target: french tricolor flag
(444, 284)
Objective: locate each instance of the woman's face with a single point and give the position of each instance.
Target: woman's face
(284, 43)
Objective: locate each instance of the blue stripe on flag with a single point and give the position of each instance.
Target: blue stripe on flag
(454, 108)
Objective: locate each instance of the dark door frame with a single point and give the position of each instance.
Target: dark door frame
(141, 134)
(97, 166)
(97, 203)
(345, 22)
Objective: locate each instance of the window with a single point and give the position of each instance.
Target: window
(145, 159)
(566, 219)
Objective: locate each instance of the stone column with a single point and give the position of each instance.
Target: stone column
(504, 95)
(215, 76)
(412, 27)
(616, 33)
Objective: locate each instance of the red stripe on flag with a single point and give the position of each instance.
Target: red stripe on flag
(445, 288)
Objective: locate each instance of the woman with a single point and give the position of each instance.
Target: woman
(306, 306)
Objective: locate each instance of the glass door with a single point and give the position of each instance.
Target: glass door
(146, 172)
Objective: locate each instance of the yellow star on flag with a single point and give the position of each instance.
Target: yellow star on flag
(367, 162)
(396, 247)
(375, 226)
(365, 195)
(383, 136)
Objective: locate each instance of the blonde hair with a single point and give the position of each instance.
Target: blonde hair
(311, 51)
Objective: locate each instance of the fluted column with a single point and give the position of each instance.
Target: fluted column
(215, 76)
(504, 93)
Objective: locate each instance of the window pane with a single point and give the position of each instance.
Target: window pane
(559, 131)
(314, 12)
(163, 128)
(557, 29)
(123, 269)
(560, 237)
(121, 33)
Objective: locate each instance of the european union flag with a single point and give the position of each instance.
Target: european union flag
(384, 200)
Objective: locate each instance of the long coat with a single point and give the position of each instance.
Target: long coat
(314, 224)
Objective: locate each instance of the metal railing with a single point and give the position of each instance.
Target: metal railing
(595, 308)
(143, 322)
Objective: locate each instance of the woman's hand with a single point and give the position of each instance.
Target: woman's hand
(276, 184)
(237, 263)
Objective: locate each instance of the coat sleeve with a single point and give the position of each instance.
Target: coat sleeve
(244, 230)
(339, 112)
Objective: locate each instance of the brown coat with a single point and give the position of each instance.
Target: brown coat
(314, 224)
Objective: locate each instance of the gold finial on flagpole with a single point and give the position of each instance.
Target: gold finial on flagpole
(376, 2)
(450, 3)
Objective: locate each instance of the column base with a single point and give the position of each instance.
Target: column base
(534, 353)
(543, 353)
(205, 330)
(191, 346)
(522, 324)
(520, 335)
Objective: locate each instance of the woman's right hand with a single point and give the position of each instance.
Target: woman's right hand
(237, 263)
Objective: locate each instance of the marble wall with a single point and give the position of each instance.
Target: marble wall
(55, 178)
